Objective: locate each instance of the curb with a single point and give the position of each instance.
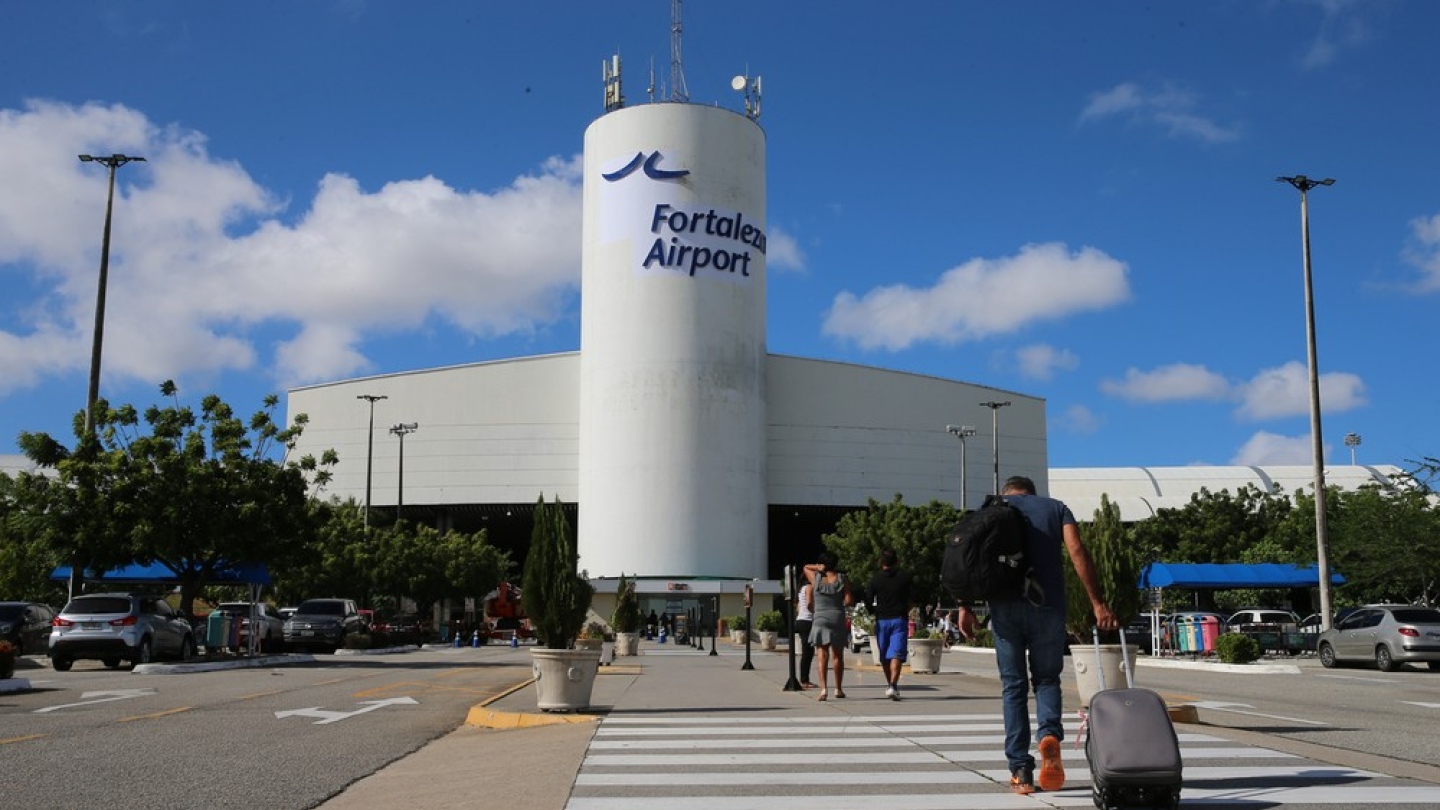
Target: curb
(482, 716)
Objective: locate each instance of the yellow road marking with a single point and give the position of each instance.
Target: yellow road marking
(22, 739)
(153, 716)
(262, 694)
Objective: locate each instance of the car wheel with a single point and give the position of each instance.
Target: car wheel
(1384, 660)
(143, 654)
(1327, 656)
(1433, 665)
(61, 663)
(187, 648)
(110, 663)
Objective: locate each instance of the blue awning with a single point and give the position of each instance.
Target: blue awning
(160, 574)
(1233, 575)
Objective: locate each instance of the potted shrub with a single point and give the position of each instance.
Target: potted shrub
(557, 599)
(864, 621)
(626, 618)
(769, 625)
(737, 628)
(924, 650)
(591, 637)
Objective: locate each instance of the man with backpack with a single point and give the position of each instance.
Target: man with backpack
(1030, 634)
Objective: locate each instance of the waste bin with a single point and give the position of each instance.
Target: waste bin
(217, 630)
(1209, 633)
(1185, 633)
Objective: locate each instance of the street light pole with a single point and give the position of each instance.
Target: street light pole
(401, 430)
(995, 436)
(112, 162)
(1352, 441)
(92, 393)
(369, 452)
(961, 432)
(1317, 447)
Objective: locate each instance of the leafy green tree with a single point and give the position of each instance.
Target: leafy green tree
(916, 533)
(26, 560)
(1385, 542)
(332, 563)
(193, 491)
(1214, 527)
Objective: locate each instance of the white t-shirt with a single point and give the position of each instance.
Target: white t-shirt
(802, 610)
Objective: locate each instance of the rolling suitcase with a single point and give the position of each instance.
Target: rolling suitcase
(1132, 748)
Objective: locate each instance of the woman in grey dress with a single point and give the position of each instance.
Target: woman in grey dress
(829, 631)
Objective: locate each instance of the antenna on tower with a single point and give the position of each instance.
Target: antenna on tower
(614, 98)
(678, 91)
(751, 88)
(650, 91)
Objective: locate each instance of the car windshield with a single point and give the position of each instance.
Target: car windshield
(1417, 616)
(11, 613)
(321, 608)
(98, 604)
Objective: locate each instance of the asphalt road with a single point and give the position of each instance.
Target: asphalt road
(277, 737)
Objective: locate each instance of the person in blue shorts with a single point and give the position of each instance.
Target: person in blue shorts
(892, 590)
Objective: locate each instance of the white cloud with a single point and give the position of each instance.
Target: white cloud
(1285, 391)
(1041, 361)
(1079, 419)
(1168, 108)
(1172, 383)
(782, 251)
(1341, 28)
(201, 260)
(981, 298)
(1270, 448)
(1424, 252)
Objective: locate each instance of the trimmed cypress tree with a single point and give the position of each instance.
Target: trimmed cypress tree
(1117, 567)
(556, 596)
(626, 618)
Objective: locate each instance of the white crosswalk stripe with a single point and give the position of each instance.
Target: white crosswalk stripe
(919, 762)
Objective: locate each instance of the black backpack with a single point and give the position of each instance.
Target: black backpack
(985, 554)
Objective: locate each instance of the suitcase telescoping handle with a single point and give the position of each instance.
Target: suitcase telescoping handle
(1124, 659)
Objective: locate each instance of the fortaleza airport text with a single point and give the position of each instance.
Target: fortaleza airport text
(691, 257)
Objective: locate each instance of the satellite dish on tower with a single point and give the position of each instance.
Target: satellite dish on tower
(738, 83)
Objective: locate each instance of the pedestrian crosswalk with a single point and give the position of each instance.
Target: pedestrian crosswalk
(758, 761)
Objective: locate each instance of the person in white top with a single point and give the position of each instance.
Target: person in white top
(804, 618)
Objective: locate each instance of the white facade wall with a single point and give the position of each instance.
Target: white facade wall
(501, 432)
(842, 433)
(504, 432)
(672, 368)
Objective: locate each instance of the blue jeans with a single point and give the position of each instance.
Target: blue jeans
(1021, 628)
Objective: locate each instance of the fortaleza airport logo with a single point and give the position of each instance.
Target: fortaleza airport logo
(691, 240)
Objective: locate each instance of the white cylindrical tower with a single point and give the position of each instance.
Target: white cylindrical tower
(672, 348)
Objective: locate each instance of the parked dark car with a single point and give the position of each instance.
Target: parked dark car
(115, 627)
(1389, 635)
(26, 625)
(323, 624)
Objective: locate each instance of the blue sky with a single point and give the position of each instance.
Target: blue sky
(1070, 200)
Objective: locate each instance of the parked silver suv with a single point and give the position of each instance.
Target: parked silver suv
(115, 627)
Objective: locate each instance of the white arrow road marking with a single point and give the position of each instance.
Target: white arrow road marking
(1424, 705)
(335, 717)
(1232, 707)
(100, 697)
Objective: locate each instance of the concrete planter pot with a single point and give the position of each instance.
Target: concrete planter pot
(627, 644)
(738, 636)
(564, 679)
(1088, 668)
(768, 639)
(924, 654)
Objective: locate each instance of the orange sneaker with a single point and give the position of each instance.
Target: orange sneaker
(1022, 781)
(1052, 770)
